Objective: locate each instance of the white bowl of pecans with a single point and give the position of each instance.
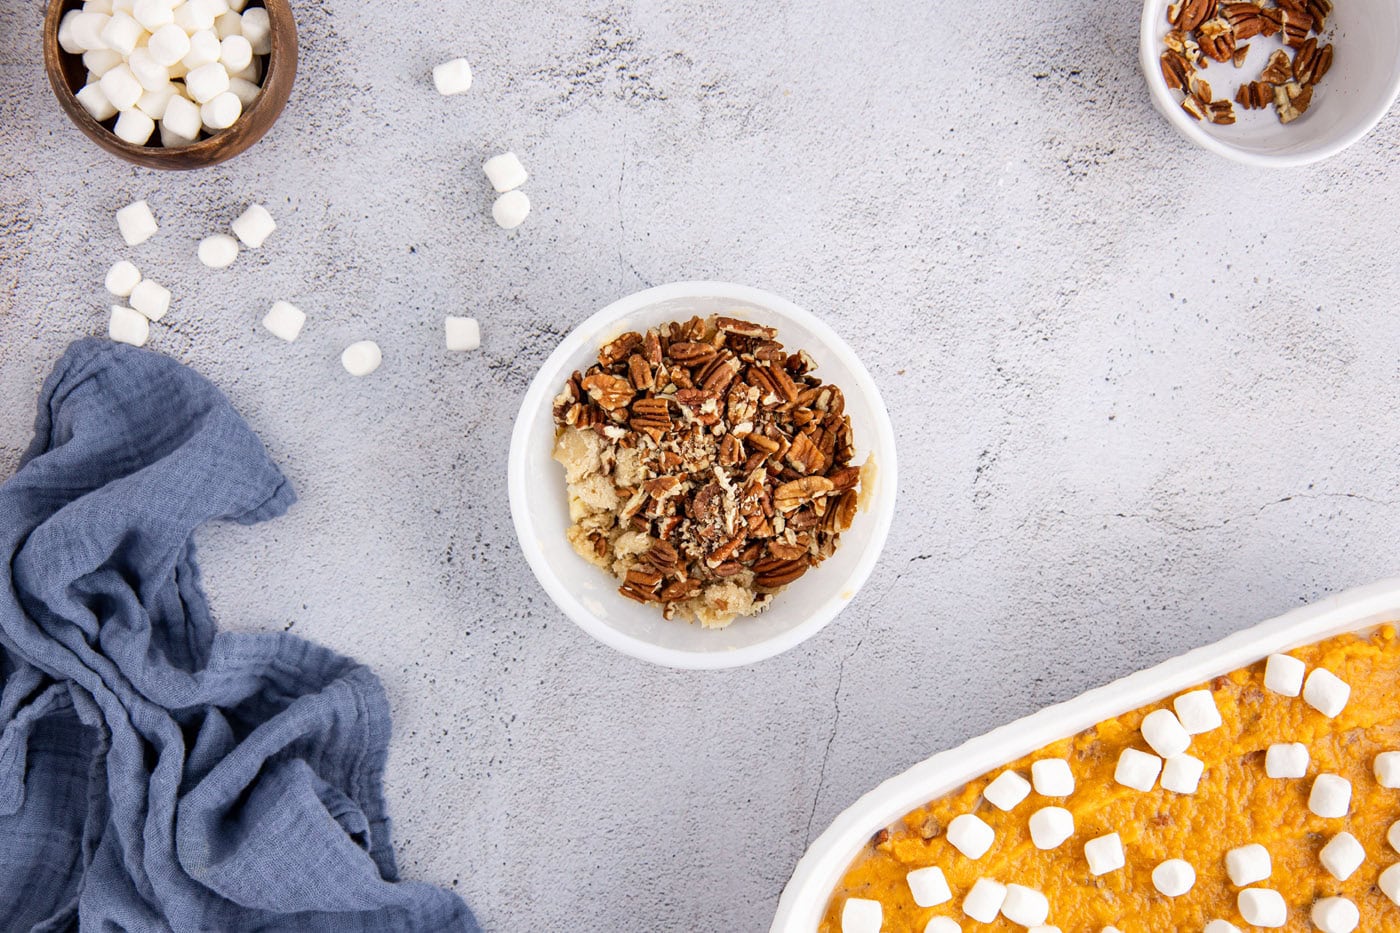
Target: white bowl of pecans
(1274, 83)
(833, 498)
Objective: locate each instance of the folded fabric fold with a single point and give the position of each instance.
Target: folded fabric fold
(155, 773)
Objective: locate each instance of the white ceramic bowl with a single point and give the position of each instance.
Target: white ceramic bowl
(820, 870)
(539, 501)
(1356, 93)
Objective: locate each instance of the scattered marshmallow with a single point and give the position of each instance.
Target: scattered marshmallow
(129, 326)
(182, 118)
(1220, 926)
(235, 53)
(1052, 778)
(1387, 769)
(1025, 906)
(1286, 760)
(970, 835)
(221, 112)
(1330, 797)
(1283, 675)
(121, 87)
(134, 127)
(169, 45)
(1044, 929)
(1174, 877)
(1051, 826)
(1326, 692)
(511, 209)
(1262, 907)
(150, 299)
(254, 226)
(1248, 864)
(285, 320)
(1335, 915)
(1389, 883)
(363, 358)
(984, 901)
(1004, 793)
(454, 77)
(1392, 835)
(218, 251)
(1163, 732)
(1137, 769)
(257, 29)
(136, 223)
(929, 887)
(95, 102)
(122, 278)
(1182, 774)
(505, 172)
(1104, 854)
(1197, 712)
(463, 333)
(861, 915)
(1342, 856)
(206, 82)
(943, 925)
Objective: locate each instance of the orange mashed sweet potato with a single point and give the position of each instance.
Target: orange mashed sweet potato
(1236, 804)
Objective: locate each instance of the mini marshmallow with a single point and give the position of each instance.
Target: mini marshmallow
(286, 320)
(193, 19)
(454, 77)
(254, 226)
(172, 140)
(253, 73)
(98, 6)
(511, 209)
(363, 358)
(169, 44)
(204, 50)
(235, 53)
(463, 334)
(122, 278)
(1330, 797)
(1044, 929)
(1326, 692)
(1389, 883)
(1220, 926)
(121, 87)
(206, 82)
(1392, 835)
(1335, 915)
(66, 40)
(95, 102)
(1104, 854)
(1174, 877)
(1182, 774)
(229, 24)
(1342, 856)
(182, 117)
(984, 901)
(861, 915)
(209, 9)
(152, 75)
(943, 925)
(221, 112)
(1197, 712)
(929, 887)
(1004, 793)
(970, 835)
(1051, 826)
(154, 103)
(1163, 732)
(1262, 907)
(1052, 778)
(128, 326)
(87, 31)
(257, 29)
(153, 14)
(1137, 770)
(1286, 760)
(1283, 675)
(505, 172)
(1248, 864)
(100, 61)
(218, 251)
(1025, 906)
(245, 91)
(1110, 930)
(136, 223)
(121, 33)
(150, 299)
(1387, 769)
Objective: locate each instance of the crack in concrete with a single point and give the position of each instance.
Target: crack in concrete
(1177, 526)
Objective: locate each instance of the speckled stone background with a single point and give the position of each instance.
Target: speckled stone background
(1144, 396)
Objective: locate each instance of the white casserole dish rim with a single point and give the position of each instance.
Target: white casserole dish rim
(804, 899)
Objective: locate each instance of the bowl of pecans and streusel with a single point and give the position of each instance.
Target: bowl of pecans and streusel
(1273, 83)
(702, 475)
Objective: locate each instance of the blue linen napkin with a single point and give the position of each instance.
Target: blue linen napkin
(155, 773)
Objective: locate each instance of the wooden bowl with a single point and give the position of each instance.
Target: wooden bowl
(67, 75)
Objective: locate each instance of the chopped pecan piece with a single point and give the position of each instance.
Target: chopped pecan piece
(1279, 69)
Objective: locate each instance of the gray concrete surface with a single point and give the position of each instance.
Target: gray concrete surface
(1144, 396)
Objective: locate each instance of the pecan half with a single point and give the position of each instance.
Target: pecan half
(610, 392)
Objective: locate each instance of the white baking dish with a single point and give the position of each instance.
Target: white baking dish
(820, 870)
